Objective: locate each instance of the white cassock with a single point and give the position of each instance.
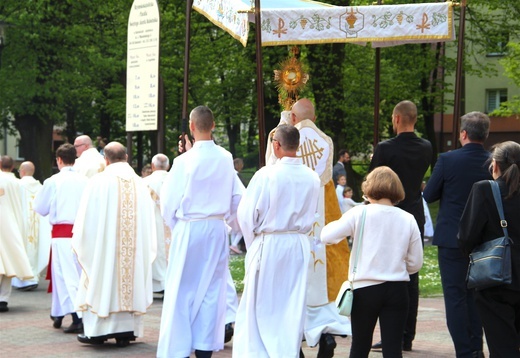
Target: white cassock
(30, 187)
(155, 181)
(13, 258)
(58, 200)
(276, 214)
(316, 150)
(90, 163)
(200, 192)
(231, 291)
(231, 299)
(115, 240)
(428, 224)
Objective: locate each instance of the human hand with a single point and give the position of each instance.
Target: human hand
(186, 144)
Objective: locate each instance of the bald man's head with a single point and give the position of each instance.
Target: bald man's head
(82, 143)
(26, 169)
(115, 152)
(302, 109)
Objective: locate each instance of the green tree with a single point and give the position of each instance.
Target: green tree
(511, 65)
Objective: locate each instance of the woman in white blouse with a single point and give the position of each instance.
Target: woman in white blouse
(389, 251)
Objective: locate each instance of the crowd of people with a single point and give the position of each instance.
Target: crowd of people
(116, 238)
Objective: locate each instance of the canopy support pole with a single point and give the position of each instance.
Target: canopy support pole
(377, 86)
(187, 41)
(458, 76)
(260, 85)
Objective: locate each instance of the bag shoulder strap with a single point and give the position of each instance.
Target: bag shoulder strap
(498, 201)
(359, 241)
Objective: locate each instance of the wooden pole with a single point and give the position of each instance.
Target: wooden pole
(260, 84)
(129, 147)
(184, 120)
(458, 76)
(377, 85)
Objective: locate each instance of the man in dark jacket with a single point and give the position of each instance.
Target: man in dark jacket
(409, 156)
(451, 182)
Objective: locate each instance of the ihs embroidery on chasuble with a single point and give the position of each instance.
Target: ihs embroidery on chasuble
(126, 237)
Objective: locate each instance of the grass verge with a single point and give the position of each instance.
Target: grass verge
(430, 280)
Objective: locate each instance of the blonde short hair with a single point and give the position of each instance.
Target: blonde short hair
(383, 183)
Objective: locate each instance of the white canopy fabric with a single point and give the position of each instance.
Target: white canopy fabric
(297, 22)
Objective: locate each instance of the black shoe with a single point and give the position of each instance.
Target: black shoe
(89, 340)
(407, 346)
(229, 331)
(57, 321)
(28, 288)
(74, 328)
(327, 346)
(378, 345)
(477, 354)
(203, 354)
(3, 306)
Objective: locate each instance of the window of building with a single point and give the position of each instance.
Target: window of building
(494, 97)
(497, 44)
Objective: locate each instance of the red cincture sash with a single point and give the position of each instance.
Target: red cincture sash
(58, 231)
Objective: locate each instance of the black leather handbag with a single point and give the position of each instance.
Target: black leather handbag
(490, 262)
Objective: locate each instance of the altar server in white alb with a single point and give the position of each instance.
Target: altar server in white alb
(59, 200)
(160, 166)
(115, 240)
(276, 214)
(13, 259)
(90, 161)
(201, 192)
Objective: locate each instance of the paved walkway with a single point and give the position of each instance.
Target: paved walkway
(26, 331)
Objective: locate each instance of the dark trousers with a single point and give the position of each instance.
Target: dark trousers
(500, 312)
(388, 302)
(413, 308)
(462, 317)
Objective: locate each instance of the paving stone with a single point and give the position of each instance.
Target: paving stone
(26, 331)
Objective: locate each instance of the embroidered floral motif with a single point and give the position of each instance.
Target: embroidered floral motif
(126, 236)
(316, 22)
(387, 19)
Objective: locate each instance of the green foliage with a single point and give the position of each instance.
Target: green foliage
(65, 64)
(511, 65)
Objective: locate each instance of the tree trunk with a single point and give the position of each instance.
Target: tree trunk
(36, 143)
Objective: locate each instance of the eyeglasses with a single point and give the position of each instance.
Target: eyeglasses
(79, 145)
(276, 140)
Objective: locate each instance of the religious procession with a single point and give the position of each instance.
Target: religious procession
(332, 235)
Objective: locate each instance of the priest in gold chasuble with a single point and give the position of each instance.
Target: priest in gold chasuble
(115, 239)
(328, 267)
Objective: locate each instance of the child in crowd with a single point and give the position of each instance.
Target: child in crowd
(342, 182)
(348, 203)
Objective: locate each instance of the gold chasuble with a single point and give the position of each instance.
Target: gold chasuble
(329, 264)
